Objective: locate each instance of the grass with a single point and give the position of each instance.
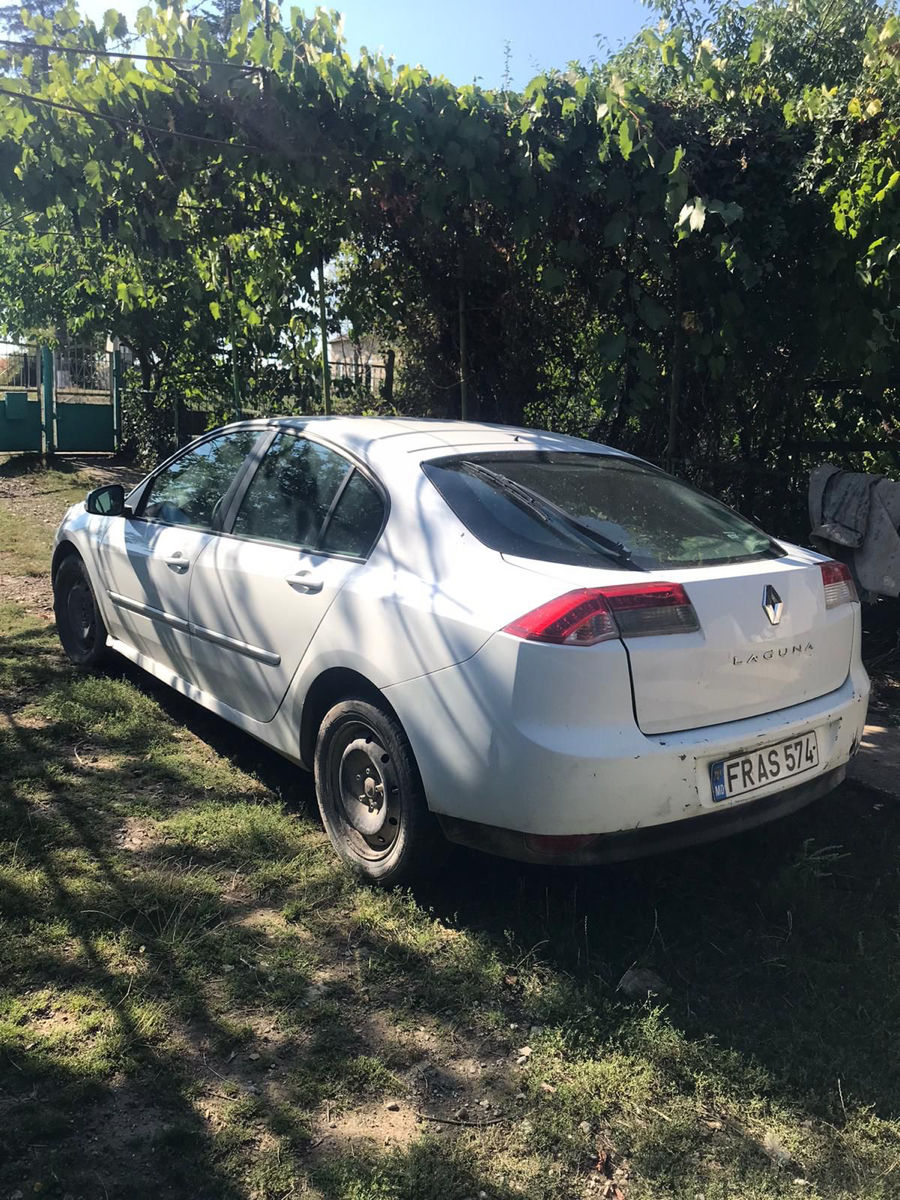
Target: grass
(26, 528)
(196, 1001)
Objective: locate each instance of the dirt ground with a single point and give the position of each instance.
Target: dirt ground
(196, 1001)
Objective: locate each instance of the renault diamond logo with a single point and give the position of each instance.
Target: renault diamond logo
(772, 604)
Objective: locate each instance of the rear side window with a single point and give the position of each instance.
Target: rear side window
(593, 510)
(356, 520)
(292, 492)
(190, 490)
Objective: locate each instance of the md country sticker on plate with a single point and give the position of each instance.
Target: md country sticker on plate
(745, 773)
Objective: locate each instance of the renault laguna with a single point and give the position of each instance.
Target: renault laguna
(523, 642)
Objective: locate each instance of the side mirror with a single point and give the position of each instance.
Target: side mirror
(106, 501)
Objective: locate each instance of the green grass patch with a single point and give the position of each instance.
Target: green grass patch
(195, 997)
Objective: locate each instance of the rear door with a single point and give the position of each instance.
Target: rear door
(306, 523)
(147, 559)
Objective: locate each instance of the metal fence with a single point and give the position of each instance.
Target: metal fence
(81, 371)
(19, 367)
(367, 376)
(67, 399)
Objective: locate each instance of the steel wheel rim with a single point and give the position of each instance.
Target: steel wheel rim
(80, 614)
(366, 790)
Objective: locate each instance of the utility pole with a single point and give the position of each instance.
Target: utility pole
(323, 322)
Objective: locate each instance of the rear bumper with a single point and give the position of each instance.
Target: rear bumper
(542, 740)
(654, 839)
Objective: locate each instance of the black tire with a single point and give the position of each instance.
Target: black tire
(371, 797)
(78, 620)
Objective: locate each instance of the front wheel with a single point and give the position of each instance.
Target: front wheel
(78, 620)
(371, 797)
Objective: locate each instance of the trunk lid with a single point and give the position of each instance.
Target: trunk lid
(739, 664)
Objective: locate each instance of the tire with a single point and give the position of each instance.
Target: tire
(371, 797)
(78, 620)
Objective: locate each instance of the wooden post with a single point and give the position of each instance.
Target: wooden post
(323, 323)
(47, 398)
(387, 390)
(463, 381)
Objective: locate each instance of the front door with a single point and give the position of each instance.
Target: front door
(306, 523)
(148, 559)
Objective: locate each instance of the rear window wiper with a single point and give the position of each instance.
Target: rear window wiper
(548, 512)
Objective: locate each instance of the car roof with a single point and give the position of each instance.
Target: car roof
(377, 439)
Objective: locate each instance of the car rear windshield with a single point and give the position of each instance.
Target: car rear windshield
(592, 510)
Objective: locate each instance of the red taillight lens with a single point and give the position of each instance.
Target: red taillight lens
(579, 618)
(591, 615)
(839, 585)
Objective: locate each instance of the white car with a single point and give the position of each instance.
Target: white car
(527, 643)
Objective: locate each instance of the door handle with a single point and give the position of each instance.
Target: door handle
(303, 581)
(177, 562)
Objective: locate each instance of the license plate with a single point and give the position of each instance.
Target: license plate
(748, 772)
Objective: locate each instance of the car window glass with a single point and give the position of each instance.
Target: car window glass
(291, 492)
(356, 520)
(189, 491)
(591, 508)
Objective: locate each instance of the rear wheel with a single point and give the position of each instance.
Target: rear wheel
(78, 620)
(371, 797)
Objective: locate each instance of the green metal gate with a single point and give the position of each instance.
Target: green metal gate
(82, 396)
(21, 424)
(66, 399)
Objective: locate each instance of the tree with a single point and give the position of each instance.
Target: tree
(647, 251)
(11, 21)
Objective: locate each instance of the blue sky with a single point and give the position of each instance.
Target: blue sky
(464, 39)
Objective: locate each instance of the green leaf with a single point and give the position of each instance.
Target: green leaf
(616, 230)
(698, 216)
(607, 287)
(92, 174)
(259, 45)
(114, 24)
(610, 346)
(215, 309)
(626, 137)
(552, 278)
(652, 314)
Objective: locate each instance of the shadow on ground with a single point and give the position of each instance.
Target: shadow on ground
(192, 988)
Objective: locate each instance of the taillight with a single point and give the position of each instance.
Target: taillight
(651, 609)
(579, 618)
(591, 615)
(839, 585)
